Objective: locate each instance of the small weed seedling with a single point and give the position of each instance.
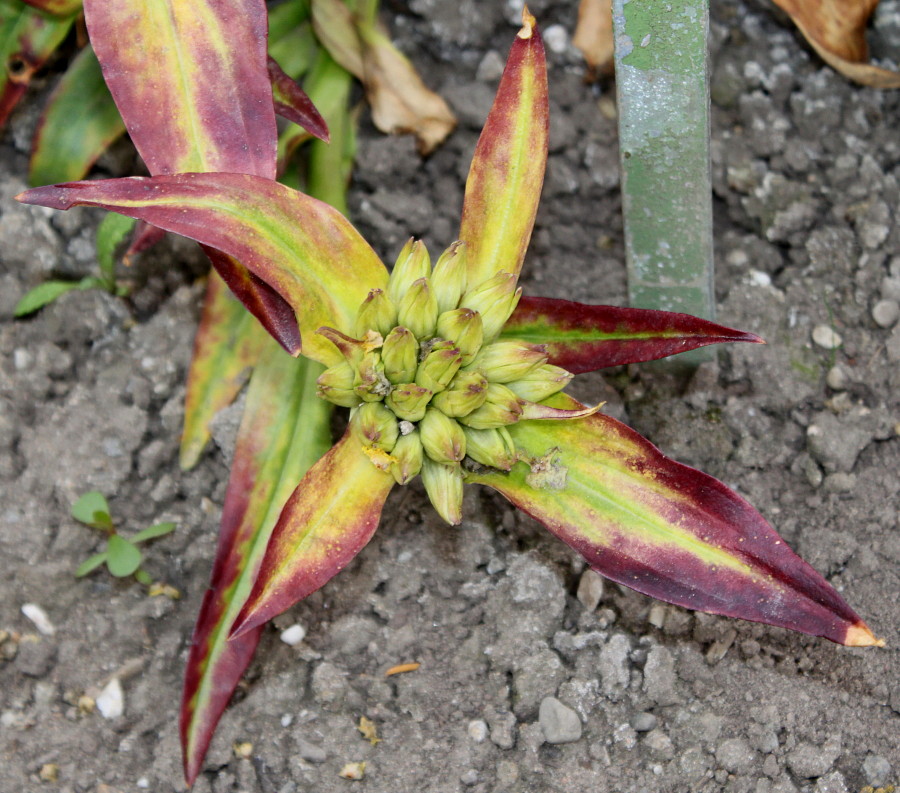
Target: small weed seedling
(122, 557)
(111, 233)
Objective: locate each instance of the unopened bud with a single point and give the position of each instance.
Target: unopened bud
(408, 401)
(501, 407)
(540, 383)
(448, 280)
(418, 310)
(408, 454)
(439, 366)
(466, 392)
(508, 360)
(376, 313)
(370, 384)
(464, 328)
(376, 426)
(400, 355)
(352, 349)
(412, 264)
(442, 437)
(495, 300)
(493, 447)
(335, 384)
(444, 485)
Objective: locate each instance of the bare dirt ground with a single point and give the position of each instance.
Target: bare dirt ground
(499, 614)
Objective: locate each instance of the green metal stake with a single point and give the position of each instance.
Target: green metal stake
(663, 104)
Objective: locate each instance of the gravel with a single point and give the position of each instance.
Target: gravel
(559, 723)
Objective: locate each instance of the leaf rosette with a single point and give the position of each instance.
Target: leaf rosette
(448, 375)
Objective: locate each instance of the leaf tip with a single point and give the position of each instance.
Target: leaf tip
(860, 635)
(245, 622)
(528, 24)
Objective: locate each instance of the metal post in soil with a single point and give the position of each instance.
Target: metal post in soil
(661, 59)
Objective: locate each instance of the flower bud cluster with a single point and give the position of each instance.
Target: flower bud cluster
(429, 382)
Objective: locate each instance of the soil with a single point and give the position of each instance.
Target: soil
(499, 614)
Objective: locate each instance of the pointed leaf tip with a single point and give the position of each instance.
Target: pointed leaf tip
(583, 338)
(860, 635)
(528, 24)
(330, 517)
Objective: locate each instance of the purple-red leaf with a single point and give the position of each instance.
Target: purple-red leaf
(270, 308)
(283, 432)
(328, 520)
(302, 248)
(292, 103)
(665, 529)
(206, 105)
(583, 338)
(507, 170)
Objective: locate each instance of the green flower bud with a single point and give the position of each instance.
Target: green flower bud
(508, 360)
(501, 407)
(376, 426)
(408, 401)
(494, 447)
(370, 384)
(466, 392)
(336, 385)
(353, 350)
(442, 437)
(449, 277)
(412, 264)
(495, 300)
(540, 383)
(444, 484)
(400, 354)
(376, 313)
(464, 328)
(418, 309)
(408, 454)
(439, 366)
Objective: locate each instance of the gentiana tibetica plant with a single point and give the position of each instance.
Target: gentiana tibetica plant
(450, 374)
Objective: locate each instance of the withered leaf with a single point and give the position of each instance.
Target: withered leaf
(594, 34)
(836, 30)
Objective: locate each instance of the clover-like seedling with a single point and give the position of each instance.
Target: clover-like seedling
(122, 557)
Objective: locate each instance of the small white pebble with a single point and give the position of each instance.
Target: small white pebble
(39, 617)
(111, 701)
(286, 720)
(759, 278)
(657, 615)
(836, 379)
(478, 730)
(21, 359)
(143, 783)
(293, 635)
(556, 39)
(886, 313)
(826, 337)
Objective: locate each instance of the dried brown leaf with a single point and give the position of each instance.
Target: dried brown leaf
(400, 101)
(594, 34)
(836, 30)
